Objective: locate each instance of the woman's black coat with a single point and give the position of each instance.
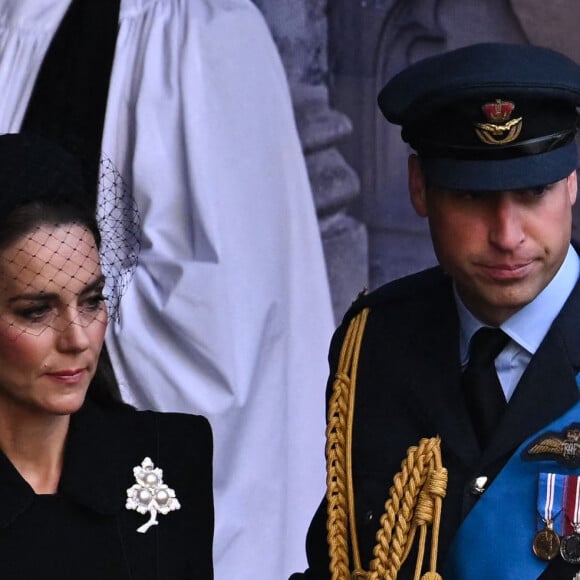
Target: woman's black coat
(84, 531)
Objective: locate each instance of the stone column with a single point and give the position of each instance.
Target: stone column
(299, 28)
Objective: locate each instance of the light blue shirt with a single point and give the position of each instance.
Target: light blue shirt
(526, 328)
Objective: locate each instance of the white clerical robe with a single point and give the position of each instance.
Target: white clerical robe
(229, 313)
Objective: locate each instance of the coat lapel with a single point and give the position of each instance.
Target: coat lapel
(93, 448)
(436, 384)
(13, 486)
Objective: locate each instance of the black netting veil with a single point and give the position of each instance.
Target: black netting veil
(120, 228)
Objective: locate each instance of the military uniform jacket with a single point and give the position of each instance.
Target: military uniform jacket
(84, 531)
(408, 387)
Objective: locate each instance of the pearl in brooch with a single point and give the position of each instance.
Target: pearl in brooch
(150, 494)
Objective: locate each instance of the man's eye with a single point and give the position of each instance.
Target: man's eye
(470, 195)
(536, 191)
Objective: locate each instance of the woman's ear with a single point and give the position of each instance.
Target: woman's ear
(417, 186)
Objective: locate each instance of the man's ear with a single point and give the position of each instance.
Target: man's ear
(572, 186)
(417, 186)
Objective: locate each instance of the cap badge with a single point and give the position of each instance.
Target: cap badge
(563, 447)
(150, 494)
(500, 129)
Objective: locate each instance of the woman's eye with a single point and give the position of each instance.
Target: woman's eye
(33, 313)
(93, 302)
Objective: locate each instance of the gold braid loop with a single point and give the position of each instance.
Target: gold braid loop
(401, 518)
(415, 498)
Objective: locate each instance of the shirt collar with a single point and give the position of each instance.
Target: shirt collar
(529, 325)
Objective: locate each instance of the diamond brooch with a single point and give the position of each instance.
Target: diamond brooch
(150, 494)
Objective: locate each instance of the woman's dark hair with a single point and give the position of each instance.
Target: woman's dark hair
(26, 218)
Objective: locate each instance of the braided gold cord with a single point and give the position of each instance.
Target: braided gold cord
(414, 502)
(337, 519)
(336, 452)
(349, 427)
(415, 498)
(393, 534)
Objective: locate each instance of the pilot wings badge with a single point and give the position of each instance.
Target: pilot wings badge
(562, 447)
(499, 129)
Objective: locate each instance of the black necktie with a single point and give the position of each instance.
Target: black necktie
(481, 387)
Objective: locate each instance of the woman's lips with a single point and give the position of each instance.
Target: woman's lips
(69, 376)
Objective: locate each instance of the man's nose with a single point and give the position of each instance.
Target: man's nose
(506, 229)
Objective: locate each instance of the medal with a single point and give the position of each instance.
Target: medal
(546, 544)
(570, 544)
(570, 548)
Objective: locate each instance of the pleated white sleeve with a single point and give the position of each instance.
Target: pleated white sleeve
(229, 312)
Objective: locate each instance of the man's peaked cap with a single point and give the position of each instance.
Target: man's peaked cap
(489, 116)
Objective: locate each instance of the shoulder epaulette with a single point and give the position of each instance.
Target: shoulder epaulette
(404, 288)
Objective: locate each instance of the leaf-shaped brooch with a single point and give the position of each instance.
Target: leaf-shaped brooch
(150, 494)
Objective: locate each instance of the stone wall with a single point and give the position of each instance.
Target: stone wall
(299, 28)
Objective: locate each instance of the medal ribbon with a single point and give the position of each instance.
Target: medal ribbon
(572, 504)
(550, 499)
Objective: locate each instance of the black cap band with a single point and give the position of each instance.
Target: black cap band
(533, 146)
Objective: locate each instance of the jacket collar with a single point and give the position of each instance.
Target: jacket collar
(17, 494)
(93, 471)
(93, 474)
(433, 387)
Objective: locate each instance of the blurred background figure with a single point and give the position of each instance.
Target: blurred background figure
(229, 311)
